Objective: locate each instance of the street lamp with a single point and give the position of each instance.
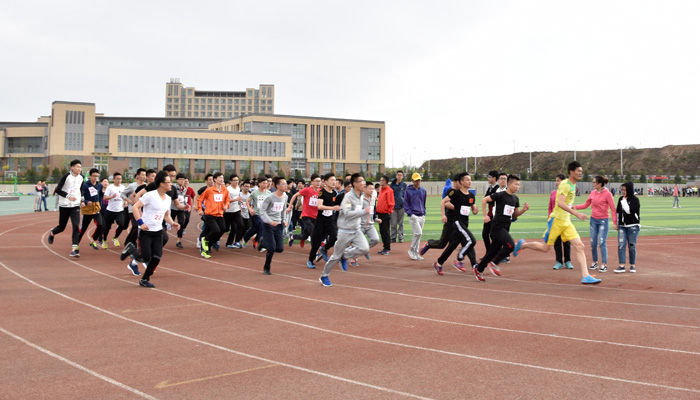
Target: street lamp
(529, 170)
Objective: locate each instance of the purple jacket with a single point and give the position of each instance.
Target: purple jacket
(414, 201)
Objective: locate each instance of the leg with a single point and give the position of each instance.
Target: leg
(75, 221)
(399, 228)
(417, 223)
(486, 235)
(632, 234)
(558, 251)
(594, 231)
(622, 245)
(580, 254)
(394, 219)
(603, 241)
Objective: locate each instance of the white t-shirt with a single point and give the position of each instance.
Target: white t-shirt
(233, 206)
(154, 210)
(115, 204)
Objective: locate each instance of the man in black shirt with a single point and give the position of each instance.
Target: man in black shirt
(326, 226)
(447, 220)
(493, 187)
(507, 207)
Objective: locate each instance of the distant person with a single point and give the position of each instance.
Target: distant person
(385, 208)
(628, 223)
(601, 201)
(448, 186)
(399, 187)
(414, 204)
(676, 201)
(68, 190)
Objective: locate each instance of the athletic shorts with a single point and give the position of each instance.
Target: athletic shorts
(558, 227)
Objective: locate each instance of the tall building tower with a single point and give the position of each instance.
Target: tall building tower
(186, 102)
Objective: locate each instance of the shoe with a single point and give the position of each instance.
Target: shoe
(324, 254)
(205, 254)
(569, 265)
(255, 242)
(116, 242)
(318, 257)
(243, 245)
(50, 237)
(593, 266)
(104, 245)
(384, 252)
(410, 254)
(266, 272)
(353, 263)
(632, 268)
(134, 268)
(178, 245)
(262, 249)
(230, 246)
(438, 268)
(603, 268)
(507, 259)
(146, 283)
(75, 253)
(424, 249)
(128, 251)
(590, 280)
(325, 281)
(479, 275)
(291, 240)
(516, 249)
(459, 265)
(367, 256)
(494, 269)
(558, 266)
(205, 245)
(237, 245)
(301, 243)
(94, 245)
(418, 258)
(619, 269)
(343, 263)
(216, 246)
(199, 243)
(310, 265)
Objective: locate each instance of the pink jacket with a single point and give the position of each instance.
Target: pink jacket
(601, 202)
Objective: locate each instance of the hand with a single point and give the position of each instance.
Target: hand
(175, 226)
(284, 224)
(144, 227)
(581, 216)
(274, 223)
(444, 219)
(379, 220)
(615, 227)
(487, 219)
(526, 207)
(188, 208)
(200, 212)
(476, 210)
(71, 198)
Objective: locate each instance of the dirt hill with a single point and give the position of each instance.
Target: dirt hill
(667, 161)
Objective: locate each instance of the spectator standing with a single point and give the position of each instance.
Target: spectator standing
(399, 187)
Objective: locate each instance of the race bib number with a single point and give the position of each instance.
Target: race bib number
(181, 199)
(277, 207)
(327, 213)
(72, 191)
(218, 198)
(358, 207)
(313, 202)
(260, 200)
(508, 210)
(93, 191)
(464, 210)
(158, 217)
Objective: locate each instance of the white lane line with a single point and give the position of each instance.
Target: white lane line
(372, 340)
(76, 365)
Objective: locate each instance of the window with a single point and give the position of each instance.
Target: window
(271, 127)
(152, 163)
(247, 127)
(25, 145)
(199, 166)
(298, 131)
(298, 150)
(229, 167)
(259, 167)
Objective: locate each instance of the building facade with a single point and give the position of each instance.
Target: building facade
(187, 102)
(247, 145)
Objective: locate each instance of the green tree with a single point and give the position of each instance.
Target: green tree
(103, 174)
(628, 178)
(56, 175)
(642, 177)
(30, 175)
(676, 179)
(45, 172)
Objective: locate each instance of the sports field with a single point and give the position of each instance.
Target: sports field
(657, 217)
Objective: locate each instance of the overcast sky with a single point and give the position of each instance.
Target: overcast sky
(449, 78)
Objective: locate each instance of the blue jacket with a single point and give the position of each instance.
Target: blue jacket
(448, 186)
(414, 201)
(399, 192)
(86, 192)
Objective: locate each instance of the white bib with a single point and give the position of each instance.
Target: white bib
(313, 202)
(327, 213)
(93, 191)
(464, 210)
(508, 210)
(277, 207)
(218, 197)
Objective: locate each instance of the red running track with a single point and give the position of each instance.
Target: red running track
(391, 328)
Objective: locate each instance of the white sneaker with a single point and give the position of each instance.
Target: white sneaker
(413, 256)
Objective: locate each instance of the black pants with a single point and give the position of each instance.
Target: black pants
(64, 214)
(460, 235)
(215, 228)
(486, 235)
(385, 230)
(567, 250)
(445, 236)
(151, 245)
(183, 218)
(133, 232)
(110, 218)
(274, 242)
(325, 227)
(234, 227)
(86, 224)
(308, 229)
(501, 246)
(256, 229)
(125, 224)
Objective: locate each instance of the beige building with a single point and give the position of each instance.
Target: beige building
(248, 145)
(187, 102)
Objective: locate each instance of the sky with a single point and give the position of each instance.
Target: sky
(449, 78)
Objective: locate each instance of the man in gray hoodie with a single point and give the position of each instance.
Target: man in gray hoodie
(351, 242)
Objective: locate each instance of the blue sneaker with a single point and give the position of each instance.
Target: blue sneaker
(569, 265)
(558, 265)
(310, 265)
(324, 254)
(343, 263)
(590, 280)
(325, 281)
(237, 245)
(134, 268)
(517, 247)
(424, 249)
(291, 239)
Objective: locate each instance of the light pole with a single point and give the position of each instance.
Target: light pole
(476, 146)
(621, 173)
(529, 170)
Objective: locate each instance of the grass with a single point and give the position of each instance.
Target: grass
(658, 218)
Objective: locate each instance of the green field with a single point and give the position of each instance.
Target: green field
(657, 218)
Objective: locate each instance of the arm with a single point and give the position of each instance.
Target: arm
(445, 203)
(291, 201)
(249, 204)
(137, 210)
(170, 221)
(613, 211)
(486, 199)
(561, 202)
(585, 205)
(407, 198)
(263, 211)
(518, 212)
(59, 188)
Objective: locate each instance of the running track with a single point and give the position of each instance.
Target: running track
(392, 328)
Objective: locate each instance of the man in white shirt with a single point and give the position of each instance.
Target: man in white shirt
(115, 208)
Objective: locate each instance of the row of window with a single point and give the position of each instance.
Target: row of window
(216, 108)
(154, 123)
(225, 147)
(73, 140)
(25, 145)
(329, 150)
(209, 100)
(216, 114)
(75, 117)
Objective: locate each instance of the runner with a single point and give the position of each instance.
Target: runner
(129, 190)
(215, 201)
(232, 216)
(208, 182)
(68, 189)
(463, 203)
(254, 201)
(115, 208)
(309, 210)
(414, 205)
(447, 219)
(559, 223)
(325, 226)
(493, 186)
(507, 206)
(564, 260)
(351, 241)
(245, 215)
(600, 201)
(272, 213)
(186, 196)
(150, 211)
(369, 199)
(90, 208)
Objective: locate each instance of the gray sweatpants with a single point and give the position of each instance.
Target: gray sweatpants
(348, 245)
(397, 224)
(417, 223)
(371, 234)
